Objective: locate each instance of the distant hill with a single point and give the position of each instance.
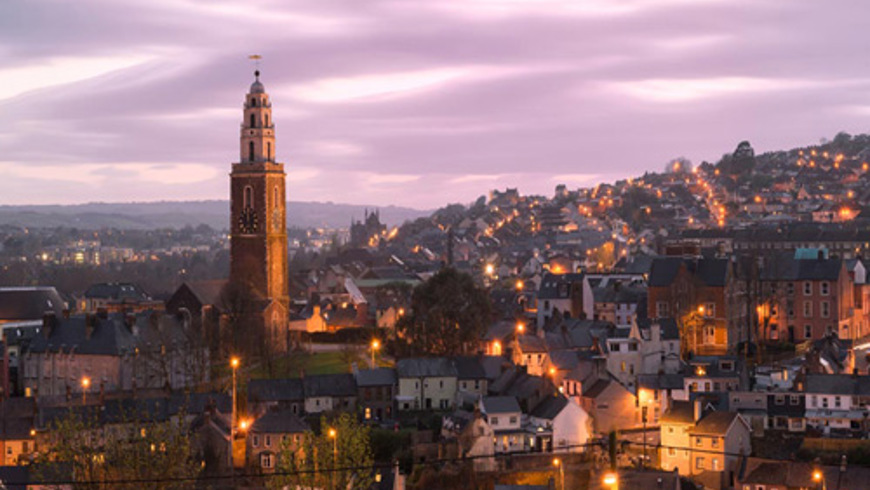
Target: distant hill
(178, 214)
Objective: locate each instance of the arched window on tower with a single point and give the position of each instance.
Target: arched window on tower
(266, 120)
(268, 151)
(253, 102)
(251, 151)
(253, 121)
(248, 197)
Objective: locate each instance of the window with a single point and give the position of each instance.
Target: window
(493, 421)
(268, 440)
(255, 440)
(248, 196)
(699, 442)
(368, 413)
(808, 288)
(268, 150)
(793, 400)
(808, 309)
(266, 460)
(709, 310)
(699, 463)
(824, 402)
(826, 309)
(661, 309)
(513, 419)
(837, 402)
(251, 151)
(715, 464)
(808, 331)
(715, 442)
(789, 289)
(266, 120)
(825, 288)
(672, 452)
(253, 121)
(622, 366)
(780, 399)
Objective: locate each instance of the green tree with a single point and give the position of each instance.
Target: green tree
(339, 457)
(447, 313)
(133, 452)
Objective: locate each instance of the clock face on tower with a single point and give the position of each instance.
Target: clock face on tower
(248, 221)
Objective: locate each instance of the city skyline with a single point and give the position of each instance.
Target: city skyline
(416, 105)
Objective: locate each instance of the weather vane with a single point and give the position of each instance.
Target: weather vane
(256, 59)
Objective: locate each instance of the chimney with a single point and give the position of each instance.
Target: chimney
(698, 406)
(49, 322)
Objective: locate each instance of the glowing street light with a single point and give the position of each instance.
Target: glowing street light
(333, 434)
(489, 269)
(86, 383)
(234, 363)
(610, 479)
(558, 464)
(520, 285)
(375, 346)
(521, 327)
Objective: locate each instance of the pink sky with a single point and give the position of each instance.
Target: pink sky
(413, 102)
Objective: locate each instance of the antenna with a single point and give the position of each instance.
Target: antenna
(256, 59)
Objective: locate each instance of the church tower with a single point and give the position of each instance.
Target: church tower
(258, 230)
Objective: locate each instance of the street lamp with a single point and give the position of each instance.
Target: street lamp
(610, 480)
(521, 327)
(558, 464)
(520, 285)
(86, 383)
(234, 363)
(375, 346)
(333, 434)
(819, 479)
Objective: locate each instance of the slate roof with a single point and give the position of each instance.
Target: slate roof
(500, 404)
(376, 377)
(329, 385)
(661, 381)
(110, 336)
(714, 423)
(531, 344)
(468, 368)
(421, 367)
(784, 267)
(670, 331)
(558, 286)
(208, 292)
(712, 272)
(837, 384)
(596, 388)
(274, 390)
(549, 407)
(117, 291)
(680, 412)
(279, 422)
(21, 304)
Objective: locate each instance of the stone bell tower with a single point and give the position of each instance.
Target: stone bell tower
(258, 229)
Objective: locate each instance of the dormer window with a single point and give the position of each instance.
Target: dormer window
(726, 366)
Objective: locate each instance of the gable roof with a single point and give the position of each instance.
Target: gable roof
(268, 390)
(376, 377)
(680, 412)
(279, 422)
(715, 423)
(499, 404)
(468, 367)
(550, 407)
(422, 367)
(31, 303)
(329, 385)
(109, 336)
(558, 286)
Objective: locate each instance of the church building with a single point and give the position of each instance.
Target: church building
(255, 299)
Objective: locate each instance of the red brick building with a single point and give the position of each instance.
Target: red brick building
(806, 299)
(705, 298)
